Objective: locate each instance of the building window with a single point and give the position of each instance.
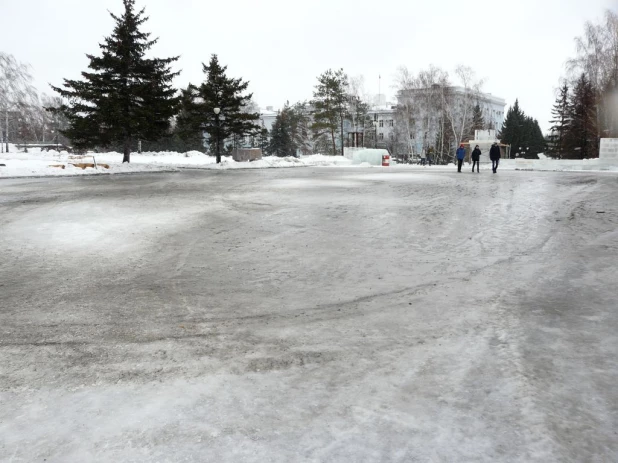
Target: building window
(381, 122)
(391, 123)
(381, 136)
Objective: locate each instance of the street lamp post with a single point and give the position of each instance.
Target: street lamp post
(217, 111)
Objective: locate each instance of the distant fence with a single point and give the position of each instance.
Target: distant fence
(44, 146)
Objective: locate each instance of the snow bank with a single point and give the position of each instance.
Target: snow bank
(55, 164)
(58, 165)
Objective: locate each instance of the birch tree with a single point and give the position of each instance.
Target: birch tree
(459, 106)
(16, 91)
(420, 103)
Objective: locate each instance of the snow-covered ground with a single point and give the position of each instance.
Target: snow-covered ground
(37, 164)
(40, 164)
(309, 315)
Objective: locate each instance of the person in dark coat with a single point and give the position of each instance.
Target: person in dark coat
(494, 155)
(461, 154)
(476, 159)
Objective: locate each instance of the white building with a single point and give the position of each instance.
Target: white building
(380, 123)
(267, 117)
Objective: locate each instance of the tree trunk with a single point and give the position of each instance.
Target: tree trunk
(332, 135)
(127, 151)
(6, 133)
(342, 150)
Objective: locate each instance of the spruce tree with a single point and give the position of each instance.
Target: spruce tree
(478, 121)
(228, 95)
(583, 135)
(300, 121)
(513, 128)
(533, 139)
(126, 96)
(185, 128)
(561, 124)
(330, 105)
(523, 133)
(281, 138)
(263, 140)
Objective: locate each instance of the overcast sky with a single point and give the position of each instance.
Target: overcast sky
(280, 46)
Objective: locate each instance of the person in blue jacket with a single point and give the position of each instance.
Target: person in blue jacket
(461, 154)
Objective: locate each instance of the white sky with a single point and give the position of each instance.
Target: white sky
(280, 46)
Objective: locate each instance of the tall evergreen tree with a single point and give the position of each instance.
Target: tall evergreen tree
(583, 134)
(126, 96)
(330, 105)
(513, 128)
(227, 95)
(561, 124)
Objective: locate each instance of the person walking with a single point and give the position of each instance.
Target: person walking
(494, 155)
(476, 159)
(461, 154)
(430, 155)
(423, 157)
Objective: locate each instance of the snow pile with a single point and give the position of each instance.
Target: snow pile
(55, 168)
(53, 163)
(326, 161)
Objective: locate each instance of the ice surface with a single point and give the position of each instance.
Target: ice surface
(316, 314)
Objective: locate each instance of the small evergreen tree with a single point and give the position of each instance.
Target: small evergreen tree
(300, 122)
(125, 96)
(561, 124)
(533, 139)
(330, 105)
(227, 95)
(185, 130)
(263, 140)
(523, 133)
(281, 140)
(478, 121)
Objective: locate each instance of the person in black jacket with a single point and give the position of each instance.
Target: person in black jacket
(494, 155)
(476, 158)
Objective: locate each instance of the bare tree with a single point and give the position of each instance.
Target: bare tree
(358, 105)
(16, 90)
(597, 57)
(421, 101)
(460, 103)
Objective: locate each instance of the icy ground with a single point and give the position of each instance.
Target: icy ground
(309, 315)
